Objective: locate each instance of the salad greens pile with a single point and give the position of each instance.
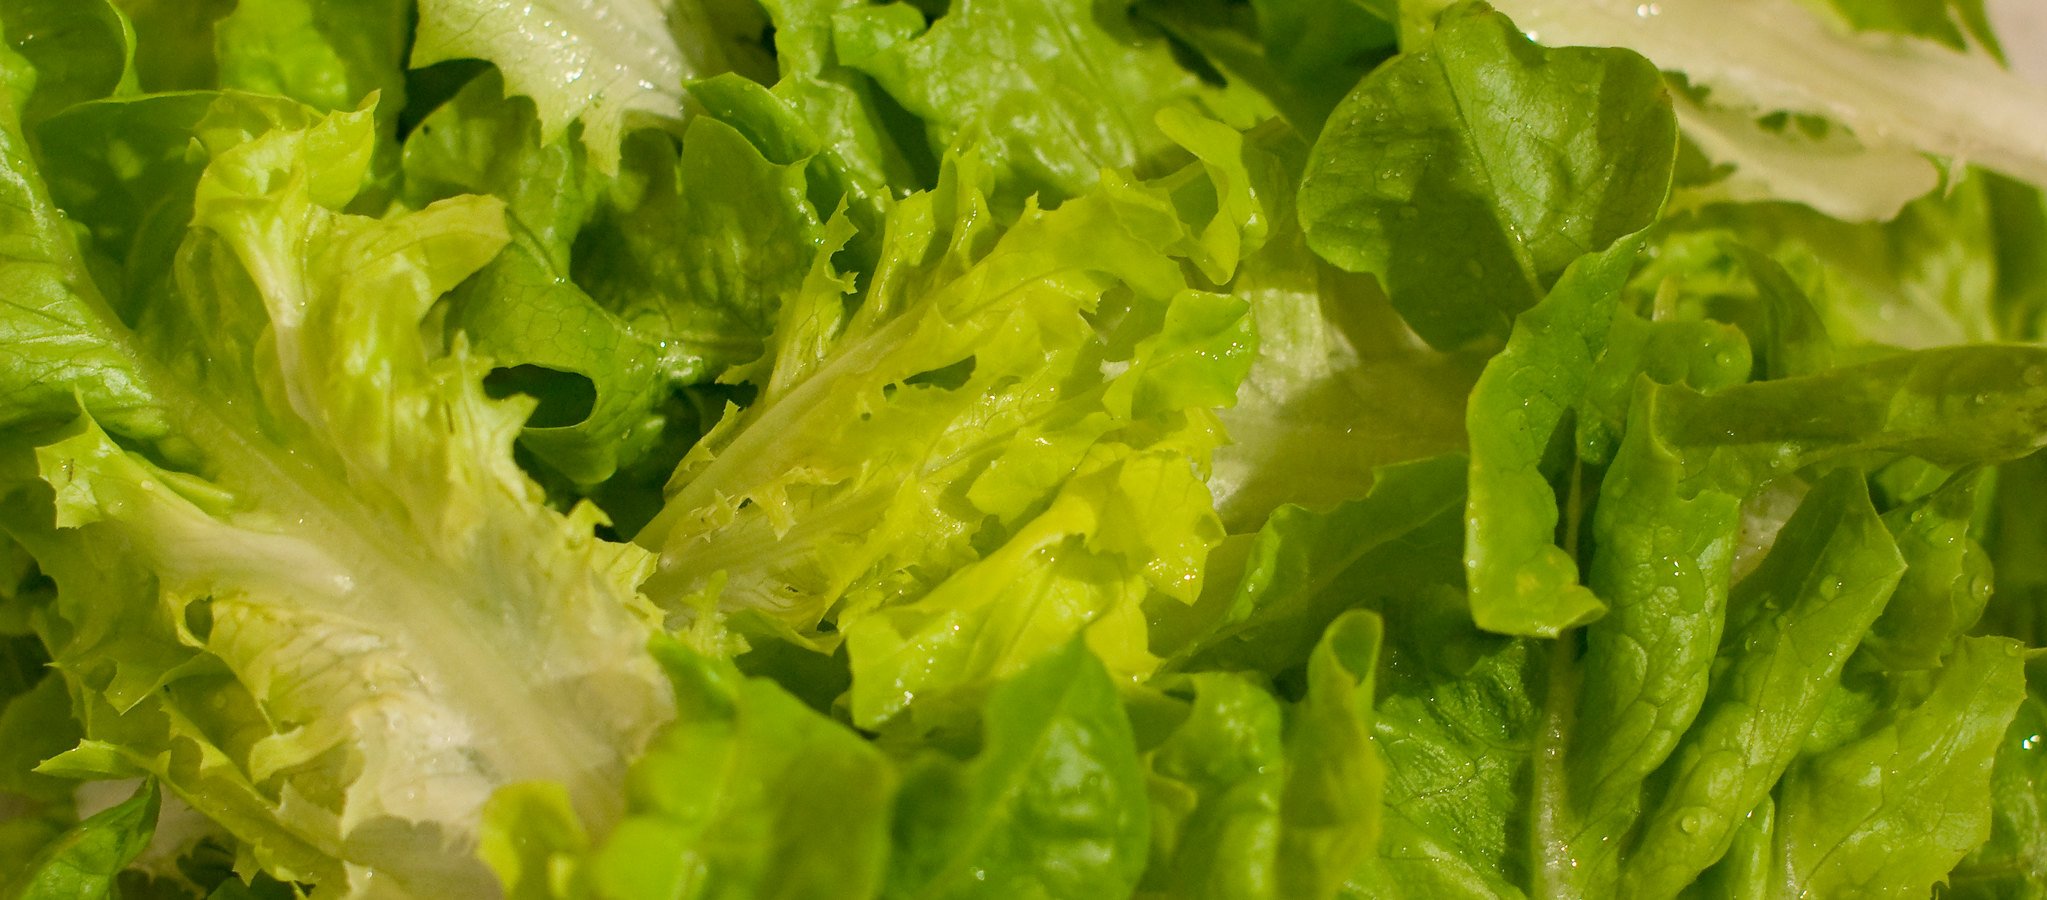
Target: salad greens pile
(1234, 449)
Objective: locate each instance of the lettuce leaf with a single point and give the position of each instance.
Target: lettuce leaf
(88, 858)
(1180, 449)
(62, 347)
(1303, 56)
(606, 66)
(235, 615)
(1782, 56)
(718, 807)
(1048, 94)
(1414, 163)
(1011, 404)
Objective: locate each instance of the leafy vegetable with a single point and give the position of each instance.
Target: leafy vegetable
(85, 861)
(1788, 58)
(208, 608)
(597, 64)
(1231, 449)
(1417, 162)
(1048, 93)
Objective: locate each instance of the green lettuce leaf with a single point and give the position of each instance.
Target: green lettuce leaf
(1483, 736)
(2019, 579)
(1947, 583)
(1048, 94)
(36, 721)
(1521, 581)
(616, 292)
(62, 350)
(1466, 174)
(720, 238)
(174, 42)
(1215, 787)
(1457, 723)
(1933, 276)
(329, 55)
(244, 625)
(1254, 798)
(326, 55)
(1306, 567)
(80, 52)
(1890, 813)
(1010, 413)
(1329, 809)
(1265, 449)
(35, 724)
(1646, 666)
(867, 152)
(1640, 762)
(85, 861)
(724, 804)
(127, 179)
(1340, 386)
(596, 377)
(1950, 406)
(1053, 805)
(1303, 55)
(1790, 628)
(2013, 859)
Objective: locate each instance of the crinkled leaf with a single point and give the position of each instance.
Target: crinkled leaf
(1938, 274)
(252, 632)
(1024, 407)
(1215, 787)
(523, 311)
(1049, 93)
(711, 248)
(1662, 565)
(869, 158)
(328, 54)
(1947, 579)
(1329, 808)
(36, 724)
(1339, 387)
(127, 178)
(1457, 724)
(605, 64)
